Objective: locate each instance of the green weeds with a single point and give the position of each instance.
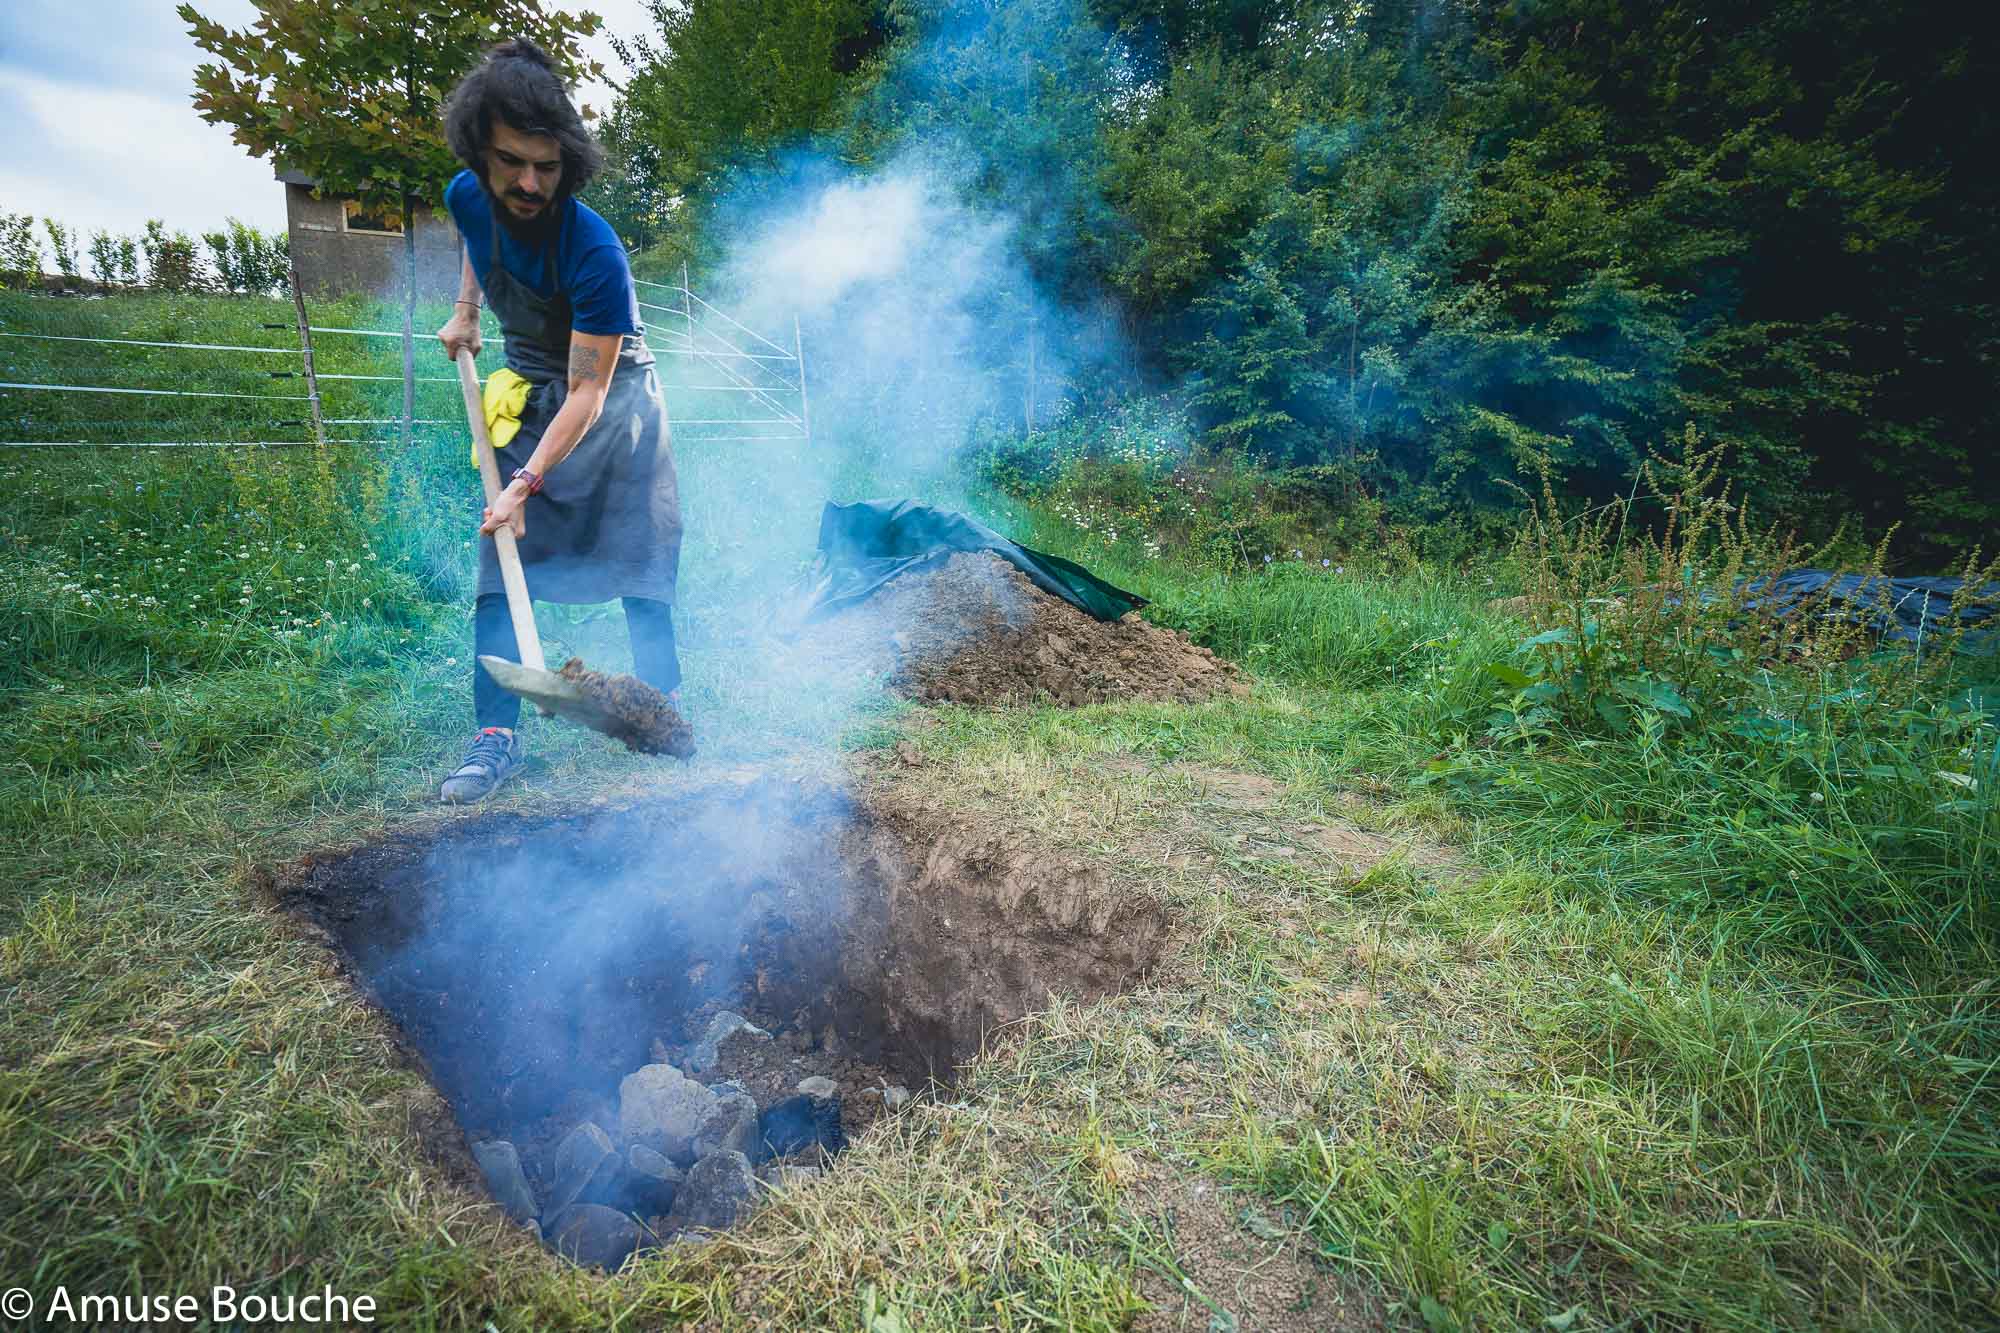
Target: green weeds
(1700, 1031)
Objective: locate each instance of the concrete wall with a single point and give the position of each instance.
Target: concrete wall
(335, 258)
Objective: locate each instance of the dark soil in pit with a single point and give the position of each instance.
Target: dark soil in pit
(974, 630)
(533, 965)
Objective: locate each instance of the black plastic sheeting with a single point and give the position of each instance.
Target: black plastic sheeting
(865, 544)
(1909, 610)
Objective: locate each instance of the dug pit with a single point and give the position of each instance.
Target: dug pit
(643, 1018)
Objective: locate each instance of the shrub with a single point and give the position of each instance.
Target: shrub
(1827, 788)
(64, 241)
(1666, 617)
(20, 248)
(104, 257)
(128, 261)
(173, 264)
(247, 260)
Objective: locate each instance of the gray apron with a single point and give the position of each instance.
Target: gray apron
(607, 521)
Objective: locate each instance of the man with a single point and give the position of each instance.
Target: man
(590, 490)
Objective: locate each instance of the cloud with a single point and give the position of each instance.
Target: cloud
(101, 123)
(112, 159)
(135, 47)
(102, 127)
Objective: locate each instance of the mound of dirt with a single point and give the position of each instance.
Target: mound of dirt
(975, 631)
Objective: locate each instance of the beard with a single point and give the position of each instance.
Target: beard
(535, 231)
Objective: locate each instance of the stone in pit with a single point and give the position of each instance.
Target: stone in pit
(662, 1108)
(786, 1175)
(730, 1127)
(501, 1166)
(585, 1167)
(725, 1026)
(591, 1235)
(714, 1194)
(652, 1179)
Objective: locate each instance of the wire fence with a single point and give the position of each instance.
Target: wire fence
(754, 372)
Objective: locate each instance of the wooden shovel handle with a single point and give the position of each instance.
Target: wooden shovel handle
(518, 605)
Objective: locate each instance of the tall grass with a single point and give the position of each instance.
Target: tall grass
(1633, 719)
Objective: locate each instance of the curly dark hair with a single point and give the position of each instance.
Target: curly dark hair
(517, 83)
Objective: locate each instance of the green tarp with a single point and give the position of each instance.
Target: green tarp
(864, 545)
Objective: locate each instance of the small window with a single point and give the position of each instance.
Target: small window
(362, 218)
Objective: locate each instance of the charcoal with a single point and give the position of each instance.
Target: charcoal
(798, 1124)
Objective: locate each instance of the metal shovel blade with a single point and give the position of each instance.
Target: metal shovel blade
(552, 694)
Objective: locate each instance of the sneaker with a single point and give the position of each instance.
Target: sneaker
(491, 761)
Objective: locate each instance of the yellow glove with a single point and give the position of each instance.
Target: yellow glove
(505, 396)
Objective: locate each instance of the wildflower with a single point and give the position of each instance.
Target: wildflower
(451, 661)
(243, 601)
(1818, 797)
(1325, 563)
(366, 602)
(329, 564)
(1340, 569)
(1298, 555)
(1267, 558)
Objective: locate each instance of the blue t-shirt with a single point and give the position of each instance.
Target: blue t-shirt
(590, 262)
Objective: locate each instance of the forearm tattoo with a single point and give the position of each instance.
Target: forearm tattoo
(582, 363)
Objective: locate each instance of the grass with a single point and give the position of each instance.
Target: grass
(1671, 1042)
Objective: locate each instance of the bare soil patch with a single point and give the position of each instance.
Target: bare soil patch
(1246, 1260)
(1221, 795)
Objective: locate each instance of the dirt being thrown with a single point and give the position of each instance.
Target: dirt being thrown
(975, 630)
(636, 713)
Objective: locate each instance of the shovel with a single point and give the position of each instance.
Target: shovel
(624, 708)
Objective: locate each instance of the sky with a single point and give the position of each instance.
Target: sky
(97, 99)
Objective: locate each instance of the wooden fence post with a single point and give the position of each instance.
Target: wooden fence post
(306, 346)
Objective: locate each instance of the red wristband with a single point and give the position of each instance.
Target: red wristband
(534, 482)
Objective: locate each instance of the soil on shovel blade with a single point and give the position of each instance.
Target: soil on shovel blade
(975, 630)
(641, 716)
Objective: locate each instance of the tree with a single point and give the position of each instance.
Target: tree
(64, 242)
(20, 248)
(349, 91)
(104, 257)
(732, 79)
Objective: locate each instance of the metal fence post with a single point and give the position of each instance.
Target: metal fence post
(306, 346)
(799, 351)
